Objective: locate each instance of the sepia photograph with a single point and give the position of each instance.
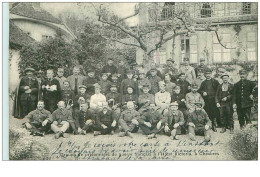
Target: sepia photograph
(133, 81)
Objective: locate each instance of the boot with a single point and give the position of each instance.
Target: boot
(223, 130)
(214, 125)
(214, 128)
(96, 133)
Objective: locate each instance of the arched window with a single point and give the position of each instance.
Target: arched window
(205, 10)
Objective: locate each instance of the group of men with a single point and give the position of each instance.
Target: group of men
(173, 101)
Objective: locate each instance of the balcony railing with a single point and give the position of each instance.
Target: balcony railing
(203, 10)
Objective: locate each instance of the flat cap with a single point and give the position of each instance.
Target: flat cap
(194, 86)
(29, 69)
(174, 104)
(113, 85)
(225, 74)
(83, 86)
(242, 71)
(208, 70)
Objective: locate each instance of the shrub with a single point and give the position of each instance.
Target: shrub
(23, 147)
(244, 144)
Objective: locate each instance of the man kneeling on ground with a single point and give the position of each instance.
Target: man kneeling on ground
(105, 121)
(174, 120)
(128, 121)
(199, 123)
(61, 118)
(39, 120)
(150, 122)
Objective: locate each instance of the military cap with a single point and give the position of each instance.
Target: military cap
(113, 85)
(198, 103)
(129, 86)
(153, 69)
(130, 103)
(174, 104)
(91, 70)
(186, 59)
(171, 60)
(194, 86)
(242, 71)
(83, 86)
(97, 86)
(29, 69)
(146, 86)
(208, 70)
(202, 59)
(225, 74)
(181, 74)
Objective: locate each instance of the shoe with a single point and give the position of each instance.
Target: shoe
(121, 134)
(172, 137)
(176, 137)
(214, 129)
(223, 130)
(206, 140)
(129, 134)
(151, 136)
(57, 135)
(192, 137)
(76, 133)
(96, 133)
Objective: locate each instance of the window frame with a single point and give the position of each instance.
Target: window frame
(222, 49)
(255, 49)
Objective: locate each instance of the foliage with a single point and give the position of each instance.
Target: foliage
(22, 147)
(244, 144)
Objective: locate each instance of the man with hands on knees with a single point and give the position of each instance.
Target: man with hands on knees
(105, 121)
(151, 122)
(174, 119)
(39, 120)
(61, 119)
(199, 123)
(128, 121)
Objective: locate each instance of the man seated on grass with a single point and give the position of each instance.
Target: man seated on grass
(128, 121)
(174, 120)
(150, 122)
(199, 123)
(39, 120)
(61, 119)
(105, 122)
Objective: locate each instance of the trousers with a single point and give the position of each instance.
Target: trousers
(244, 116)
(174, 131)
(149, 130)
(62, 127)
(199, 131)
(27, 106)
(127, 126)
(51, 105)
(226, 116)
(37, 127)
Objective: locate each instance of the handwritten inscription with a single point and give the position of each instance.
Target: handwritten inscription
(132, 151)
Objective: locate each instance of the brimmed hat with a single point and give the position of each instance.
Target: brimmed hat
(97, 86)
(198, 103)
(208, 70)
(225, 74)
(29, 69)
(194, 86)
(113, 85)
(242, 71)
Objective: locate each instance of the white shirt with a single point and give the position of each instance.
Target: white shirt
(95, 99)
(162, 100)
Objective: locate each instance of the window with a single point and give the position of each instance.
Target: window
(160, 56)
(246, 9)
(220, 54)
(189, 48)
(205, 10)
(167, 11)
(251, 46)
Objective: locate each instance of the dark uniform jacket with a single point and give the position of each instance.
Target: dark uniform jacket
(199, 119)
(242, 91)
(171, 118)
(33, 84)
(37, 116)
(51, 95)
(177, 98)
(128, 82)
(129, 97)
(60, 116)
(211, 90)
(89, 82)
(154, 84)
(116, 96)
(222, 94)
(81, 117)
(105, 119)
(86, 96)
(150, 116)
(184, 86)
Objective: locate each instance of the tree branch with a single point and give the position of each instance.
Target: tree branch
(136, 13)
(133, 45)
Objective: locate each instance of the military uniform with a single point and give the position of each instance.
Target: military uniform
(51, 98)
(126, 83)
(154, 84)
(105, 85)
(169, 86)
(153, 117)
(129, 97)
(36, 119)
(184, 86)
(178, 98)
(242, 90)
(89, 83)
(61, 120)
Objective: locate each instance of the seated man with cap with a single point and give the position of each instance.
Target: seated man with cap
(184, 85)
(104, 84)
(142, 81)
(61, 118)
(179, 97)
(154, 79)
(82, 97)
(60, 77)
(128, 82)
(97, 97)
(105, 121)
(199, 123)
(162, 98)
(145, 99)
(224, 103)
(130, 96)
(27, 94)
(83, 120)
(128, 122)
(151, 121)
(89, 81)
(174, 121)
(39, 120)
(158, 73)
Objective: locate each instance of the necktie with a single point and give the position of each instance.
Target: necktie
(76, 85)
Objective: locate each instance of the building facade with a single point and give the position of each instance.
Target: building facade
(237, 29)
